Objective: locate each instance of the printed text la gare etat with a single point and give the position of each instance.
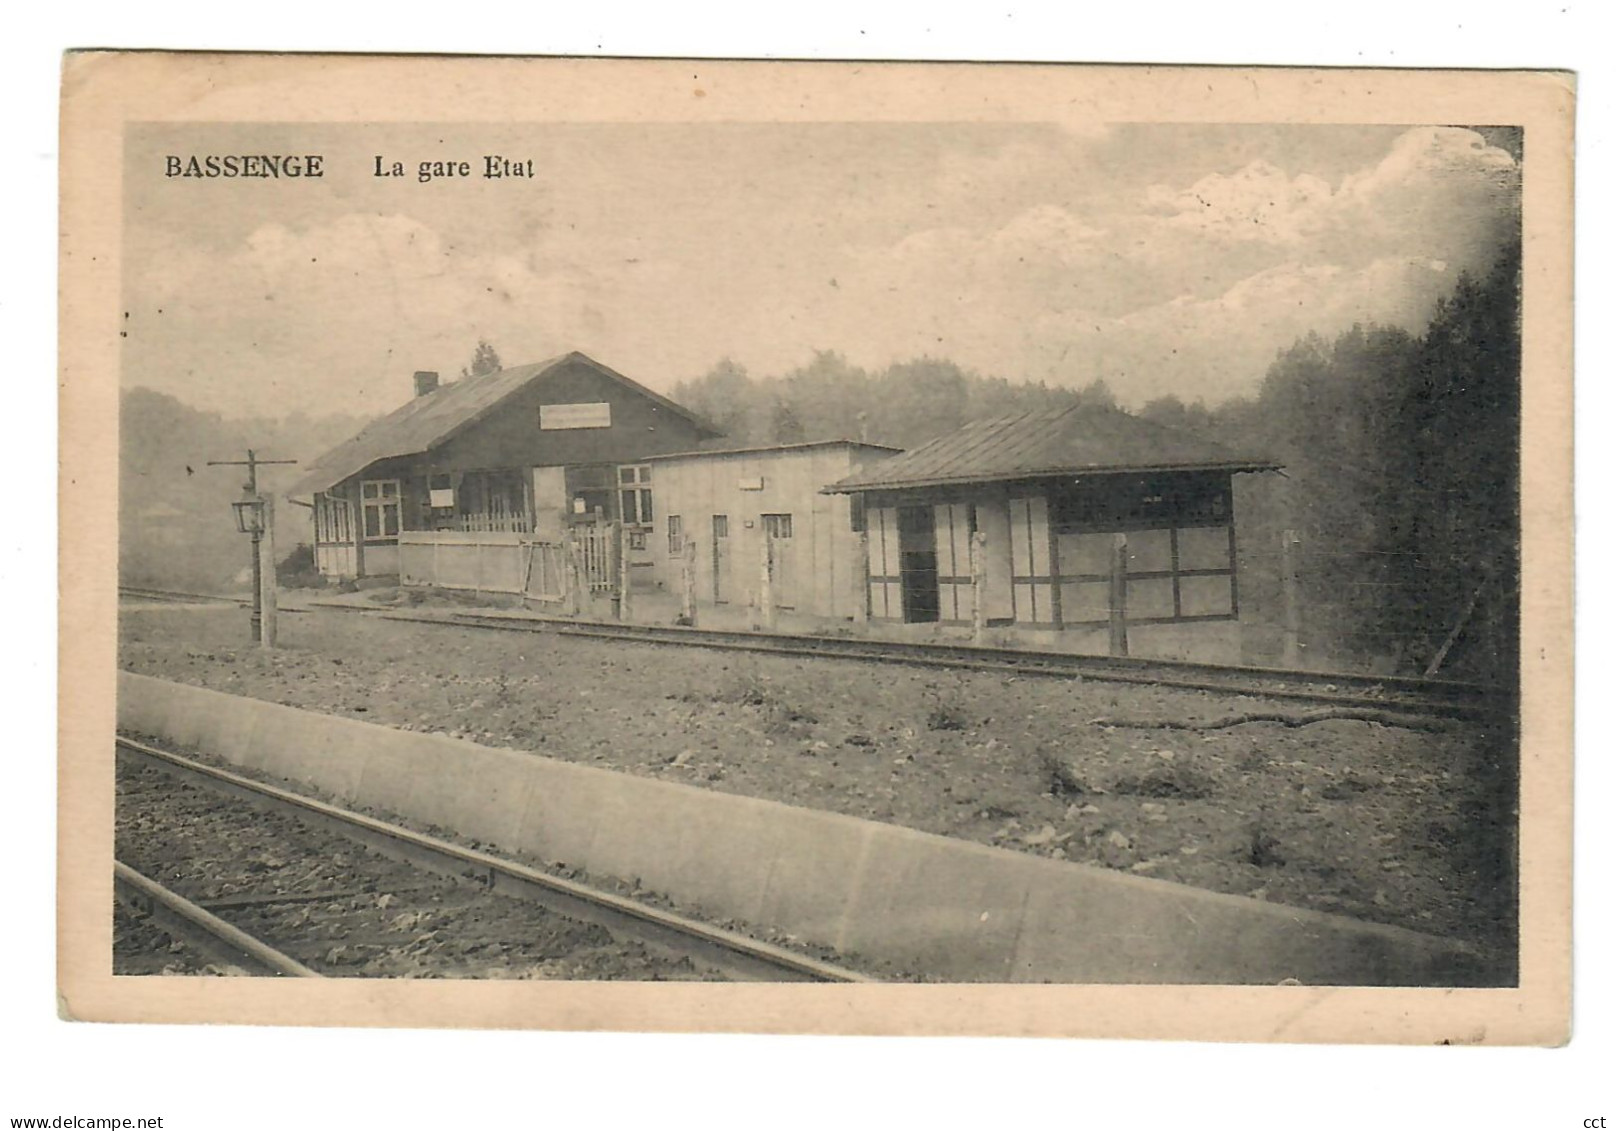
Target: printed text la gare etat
(312, 166)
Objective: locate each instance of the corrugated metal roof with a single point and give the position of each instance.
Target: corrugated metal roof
(424, 422)
(760, 449)
(1075, 440)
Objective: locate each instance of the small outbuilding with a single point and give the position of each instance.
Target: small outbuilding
(1050, 494)
(727, 502)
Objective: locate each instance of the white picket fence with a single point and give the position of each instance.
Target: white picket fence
(504, 562)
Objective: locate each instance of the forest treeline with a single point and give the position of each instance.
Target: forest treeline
(1400, 454)
(176, 528)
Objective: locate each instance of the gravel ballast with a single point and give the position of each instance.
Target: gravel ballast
(337, 907)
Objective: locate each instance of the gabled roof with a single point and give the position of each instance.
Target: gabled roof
(1033, 444)
(770, 449)
(424, 422)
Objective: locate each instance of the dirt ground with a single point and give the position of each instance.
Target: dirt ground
(1384, 823)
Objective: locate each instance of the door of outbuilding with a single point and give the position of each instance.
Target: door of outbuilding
(723, 581)
(917, 556)
(778, 529)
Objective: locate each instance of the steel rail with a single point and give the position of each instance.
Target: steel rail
(1395, 694)
(730, 952)
(179, 918)
(178, 596)
(1404, 695)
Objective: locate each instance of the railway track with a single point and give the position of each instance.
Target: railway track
(178, 597)
(728, 953)
(1396, 695)
(196, 927)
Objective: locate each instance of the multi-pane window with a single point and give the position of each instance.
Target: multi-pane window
(331, 520)
(379, 498)
(634, 492)
(777, 525)
(1180, 562)
(676, 535)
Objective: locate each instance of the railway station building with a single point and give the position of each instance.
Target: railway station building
(459, 482)
(1050, 493)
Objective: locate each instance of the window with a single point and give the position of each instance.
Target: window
(590, 487)
(440, 492)
(380, 499)
(635, 494)
(331, 520)
(720, 526)
(1146, 502)
(676, 535)
(636, 540)
(777, 525)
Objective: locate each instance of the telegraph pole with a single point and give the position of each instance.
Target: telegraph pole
(252, 463)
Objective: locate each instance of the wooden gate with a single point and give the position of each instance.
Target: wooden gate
(598, 556)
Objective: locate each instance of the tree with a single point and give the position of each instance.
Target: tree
(785, 425)
(484, 360)
(727, 396)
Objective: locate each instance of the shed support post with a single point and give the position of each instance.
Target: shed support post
(861, 579)
(766, 584)
(687, 582)
(356, 520)
(979, 552)
(1291, 644)
(1119, 594)
(266, 576)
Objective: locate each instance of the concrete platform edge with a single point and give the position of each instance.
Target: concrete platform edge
(950, 908)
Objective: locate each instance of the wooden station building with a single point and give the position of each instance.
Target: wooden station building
(467, 473)
(1050, 494)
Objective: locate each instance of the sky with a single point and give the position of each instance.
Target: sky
(1163, 258)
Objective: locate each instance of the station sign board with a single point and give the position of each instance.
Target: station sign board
(559, 417)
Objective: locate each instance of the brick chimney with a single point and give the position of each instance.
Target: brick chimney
(426, 381)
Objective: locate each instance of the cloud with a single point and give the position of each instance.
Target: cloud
(1260, 202)
(1190, 286)
(1439, 190)
(1223, 345)
(1197, 288)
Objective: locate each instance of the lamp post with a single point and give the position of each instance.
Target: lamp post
(254, 516)
(250, 520)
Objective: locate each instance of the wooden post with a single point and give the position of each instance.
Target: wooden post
(625, 610)
(356, 515)
(266, 573)
(1458, 630)
(766, 584)
(1291, 643)
(574, 578)
(527, 568)
(861, 579)
(979, 585)
(687, 582)
(1119, 594)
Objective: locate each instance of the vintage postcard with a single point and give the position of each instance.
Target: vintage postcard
(823, 548)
